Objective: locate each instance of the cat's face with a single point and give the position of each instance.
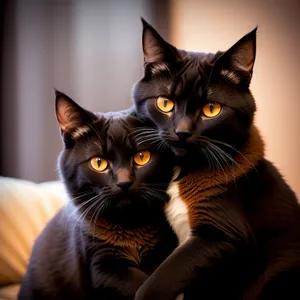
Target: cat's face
(107, 172)
(193, 98)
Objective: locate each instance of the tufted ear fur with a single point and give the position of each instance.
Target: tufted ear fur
(69, 114)
(156, 49)
(237, 62)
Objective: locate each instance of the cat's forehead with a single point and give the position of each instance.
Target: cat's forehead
(117, 128)
(194, 63)
(191, 74)
(120, 130)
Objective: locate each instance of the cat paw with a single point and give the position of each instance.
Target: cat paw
(179, 297)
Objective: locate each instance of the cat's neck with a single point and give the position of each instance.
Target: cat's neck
(245, 160)
(124, 236)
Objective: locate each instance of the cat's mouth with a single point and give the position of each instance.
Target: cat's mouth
(122, 194)
(125, 196)
(181, 147)
(179, 151)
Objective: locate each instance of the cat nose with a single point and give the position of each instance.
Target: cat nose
(183, 134)
(123, 178)
(124, 185)
(184, 127)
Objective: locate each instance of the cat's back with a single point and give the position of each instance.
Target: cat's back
(270, 198)
(273, 211)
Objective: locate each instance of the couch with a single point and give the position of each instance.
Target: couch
(25, 208)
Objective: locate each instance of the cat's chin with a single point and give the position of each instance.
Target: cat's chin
(183, 148)
(179, 151)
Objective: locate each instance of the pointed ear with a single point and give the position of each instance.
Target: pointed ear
(155, 48)
(70, 115)
(238, 61)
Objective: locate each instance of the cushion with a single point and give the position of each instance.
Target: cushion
(25, 208)
(9, 292)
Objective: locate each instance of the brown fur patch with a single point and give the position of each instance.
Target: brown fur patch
(202, 185)
(134, 243)
(117, 235)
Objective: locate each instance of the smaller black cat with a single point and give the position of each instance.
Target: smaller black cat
(113, 233)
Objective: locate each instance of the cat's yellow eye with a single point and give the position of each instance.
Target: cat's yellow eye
(165, 104)
(141, 158)
(99, 164)
(211, 109)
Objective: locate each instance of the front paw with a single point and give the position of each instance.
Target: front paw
(180, 297)
(140, 295)
(148, 294)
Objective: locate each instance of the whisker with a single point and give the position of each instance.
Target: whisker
(155, 195)
(234, 149)
(218, 162)
(103, 205)
(81, 205)
(225, 157)
(208, 158)
(78, 207)
(152, 140)
(90, 208)
(97, 133)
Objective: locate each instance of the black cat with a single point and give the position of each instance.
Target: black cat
(113, 233)
(237, 221)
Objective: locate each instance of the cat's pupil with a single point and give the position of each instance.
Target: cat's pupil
(211, 107)
(141, 156)
(165, 102)
(98, 162)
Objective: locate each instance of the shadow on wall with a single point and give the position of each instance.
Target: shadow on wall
(91, 50)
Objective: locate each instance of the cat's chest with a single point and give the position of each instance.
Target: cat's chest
(177, 213)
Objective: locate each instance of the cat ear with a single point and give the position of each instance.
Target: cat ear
(238, 61)
(70, 116)
(155, 48)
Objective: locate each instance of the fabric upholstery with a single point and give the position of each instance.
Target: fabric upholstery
(25, 208)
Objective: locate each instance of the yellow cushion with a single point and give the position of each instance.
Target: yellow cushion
(9, 292)
(25, 208)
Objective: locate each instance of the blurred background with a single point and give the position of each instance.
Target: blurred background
(91, 50)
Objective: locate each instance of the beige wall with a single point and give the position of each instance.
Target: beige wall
(211, 25)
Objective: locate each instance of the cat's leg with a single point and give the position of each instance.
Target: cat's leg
(282, 274)
(180, 297)
(115, 278)
(282, 286)
(182, 268)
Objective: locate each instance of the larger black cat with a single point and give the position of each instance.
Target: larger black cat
(237, 221)
(113, 233)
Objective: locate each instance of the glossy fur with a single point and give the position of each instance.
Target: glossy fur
(113, 233)
(243, 235)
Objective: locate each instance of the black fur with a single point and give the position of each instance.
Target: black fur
(245, 219)
(112, 234)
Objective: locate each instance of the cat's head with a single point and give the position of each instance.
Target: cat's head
(192, 97)
(108, 173)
